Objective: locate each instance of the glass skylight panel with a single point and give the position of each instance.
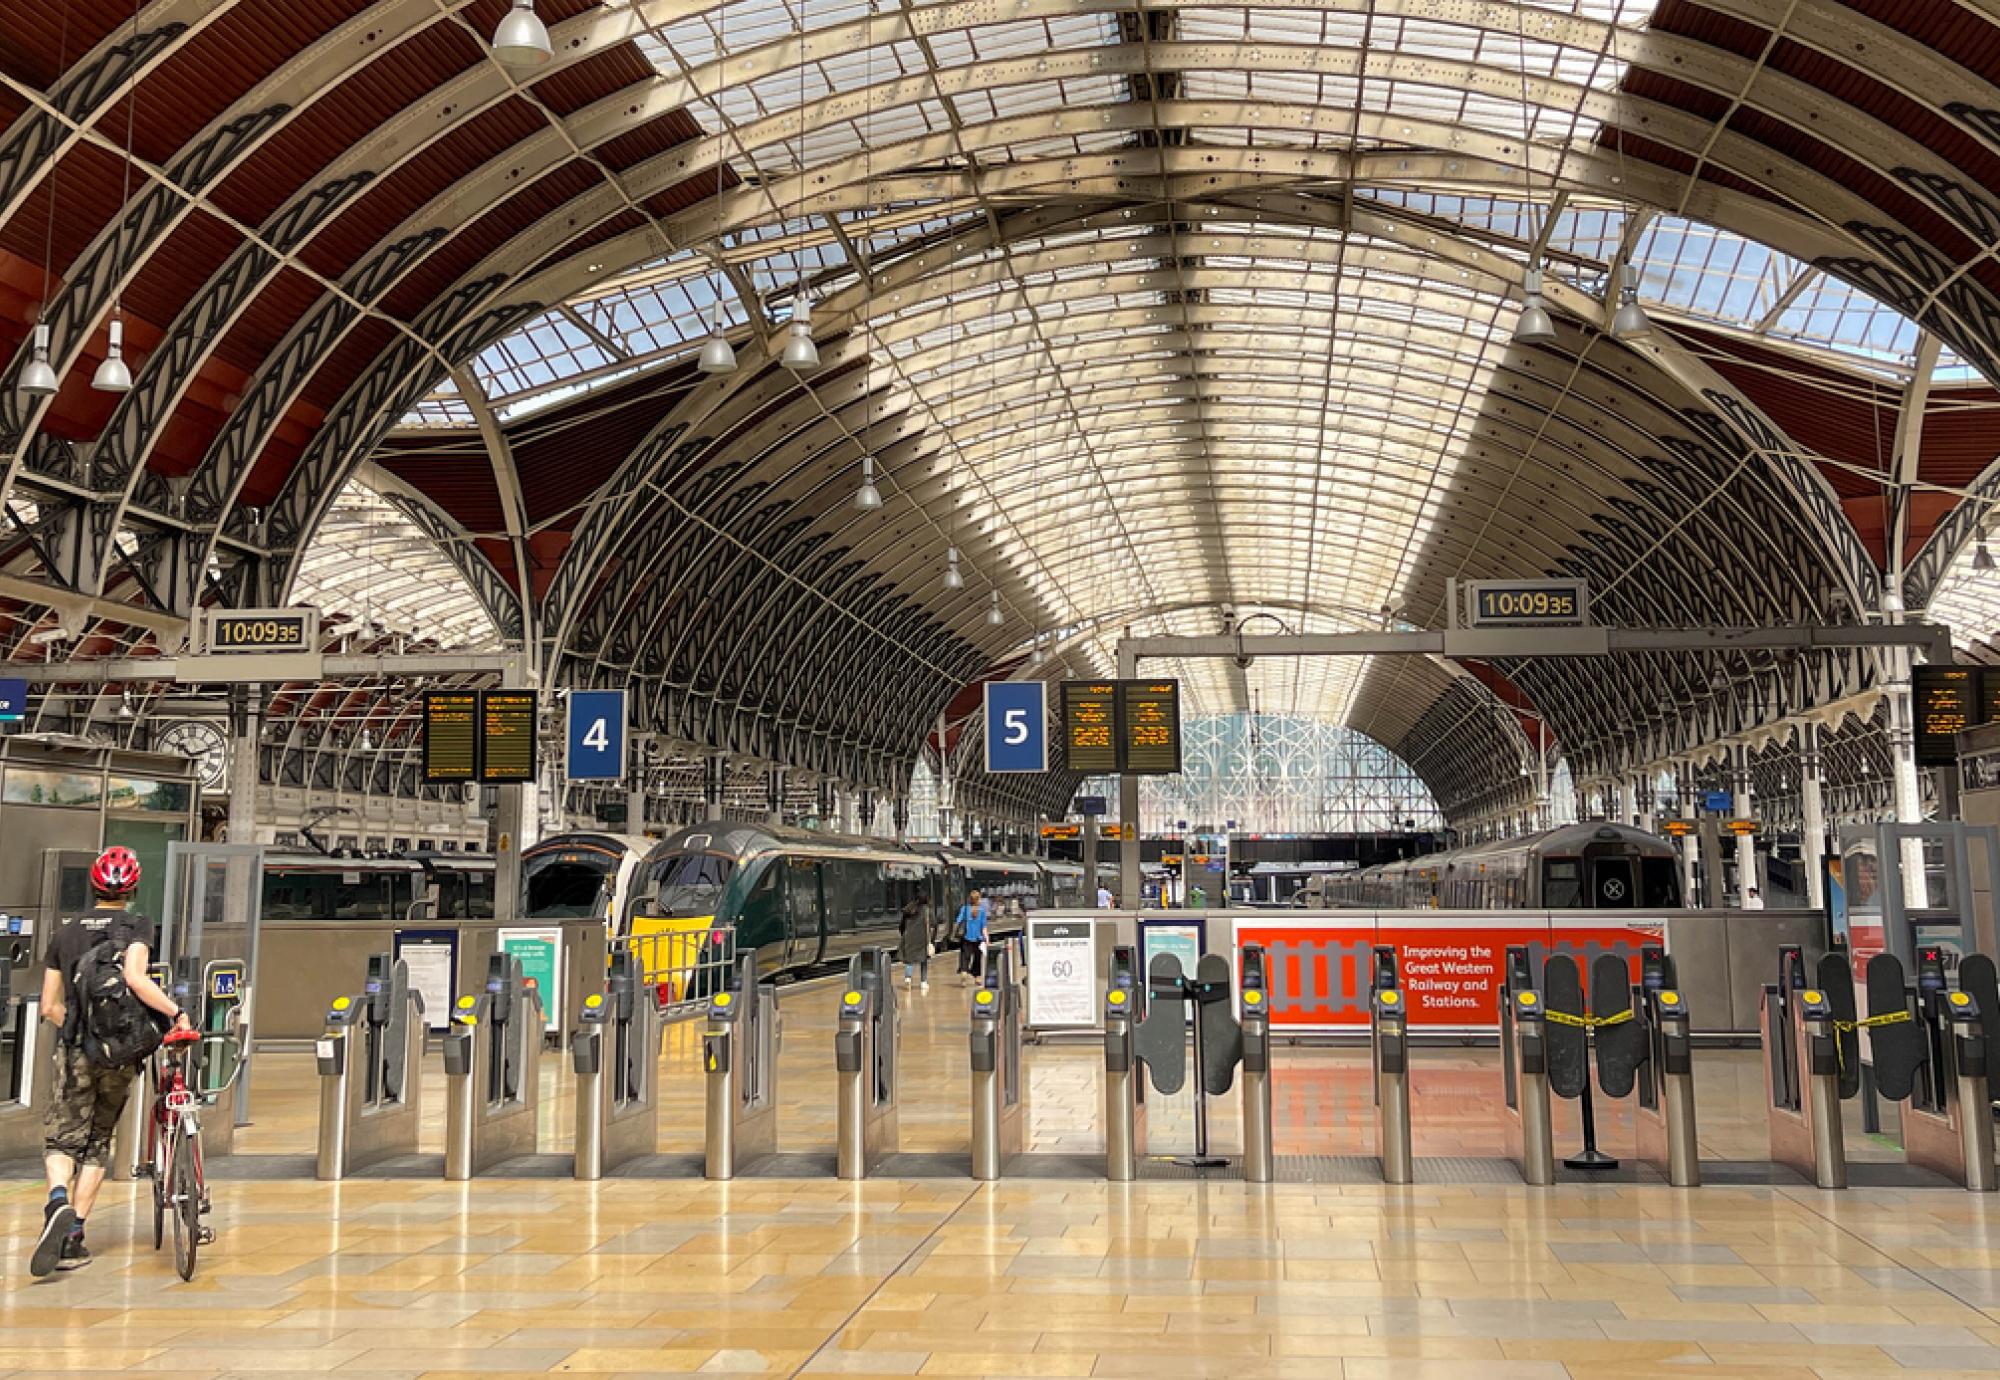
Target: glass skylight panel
(1831, 312)
(372, 565)
(545, 351)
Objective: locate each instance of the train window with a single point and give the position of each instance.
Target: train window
(1660, 883)
(565, 886)
(1562, 883)
(479, 895)
(690, 883)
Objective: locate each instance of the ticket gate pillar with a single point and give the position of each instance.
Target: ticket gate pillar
(740, 1058)
(996, 1093)
(492, 1082)
(1525, 1075)
(1259, 1160)
(1124, 1108)
(866, 1130)
(1950, 1129)
(1389, 1040)
(369, 1080)
(615, 1053)
(20, 1032)
(1663, 1118)
(1804, 1114)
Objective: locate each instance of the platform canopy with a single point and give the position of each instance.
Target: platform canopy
(1167, 317)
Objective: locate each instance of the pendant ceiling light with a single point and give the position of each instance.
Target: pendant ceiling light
(1534, 326)
(522, 40)
(994, 618)
(716, 355)
(114, 375)
(952, 579)
(801, 355)
(39, 379)
(1982, 558)
(867, 497)
(1630, 321)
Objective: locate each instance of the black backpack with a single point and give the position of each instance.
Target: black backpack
(115, 1029)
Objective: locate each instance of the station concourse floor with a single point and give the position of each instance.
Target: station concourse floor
(1030, 1277)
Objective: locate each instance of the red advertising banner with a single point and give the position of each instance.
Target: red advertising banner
(1452, 971)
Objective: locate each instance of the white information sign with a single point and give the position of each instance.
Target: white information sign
(430, 975)
(1062, 973)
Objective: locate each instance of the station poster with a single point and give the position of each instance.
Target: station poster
(540, 952)
(1452, 969)
(1063, 981)
(432, 958)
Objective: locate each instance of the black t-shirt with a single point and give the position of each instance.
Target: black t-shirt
(77, 935)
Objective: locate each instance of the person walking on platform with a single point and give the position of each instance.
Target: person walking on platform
(915, 946)
(111, 1014)
(970, 926)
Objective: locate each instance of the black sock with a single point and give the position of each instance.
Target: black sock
(58, 1194)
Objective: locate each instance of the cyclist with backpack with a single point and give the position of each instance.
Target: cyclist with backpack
(112, 1015)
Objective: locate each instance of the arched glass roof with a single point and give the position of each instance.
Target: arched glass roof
(1183, 404)
(374, 572)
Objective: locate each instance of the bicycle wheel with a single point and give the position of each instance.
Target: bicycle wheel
(186, 1201)
(159, 1171)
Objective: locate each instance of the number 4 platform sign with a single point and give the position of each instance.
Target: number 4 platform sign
(1017, 725)
(596, 735)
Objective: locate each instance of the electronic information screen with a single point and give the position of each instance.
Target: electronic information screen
(1149, 713)
(507, 737)
(451, 735)
(1090, 726)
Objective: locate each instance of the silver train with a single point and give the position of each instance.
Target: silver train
(1591, 866)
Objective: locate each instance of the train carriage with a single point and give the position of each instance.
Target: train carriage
(1579, 866)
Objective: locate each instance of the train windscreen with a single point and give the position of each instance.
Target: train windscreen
(1660, 883)
(1562, 883)
(688, 884)
(568, 885)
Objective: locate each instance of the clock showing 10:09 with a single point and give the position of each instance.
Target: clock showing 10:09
(205, 744)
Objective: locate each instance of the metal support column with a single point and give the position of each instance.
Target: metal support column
(1812, 807)
(1745, 807)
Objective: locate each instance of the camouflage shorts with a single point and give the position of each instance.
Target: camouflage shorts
(83, 1113)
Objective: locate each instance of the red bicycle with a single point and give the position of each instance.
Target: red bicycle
(180, 1187)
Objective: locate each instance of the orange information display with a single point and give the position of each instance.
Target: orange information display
(1452, 970)
(1090, 726)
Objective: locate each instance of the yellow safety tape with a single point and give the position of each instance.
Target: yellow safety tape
(1845, 1027)
(1588, 1022)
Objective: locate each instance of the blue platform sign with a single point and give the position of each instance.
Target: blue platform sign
(1017, 725)
(1091, 806)
(596, 736)
(1716, 802)
(13, 700)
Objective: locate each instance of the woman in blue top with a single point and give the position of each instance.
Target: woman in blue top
(971, 927)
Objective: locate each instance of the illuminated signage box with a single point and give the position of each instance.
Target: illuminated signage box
(451, 736)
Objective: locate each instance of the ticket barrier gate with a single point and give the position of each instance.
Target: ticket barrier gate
(1159, 1041)
(1524, 1073)
(740, 1054)
(1389, 1044)
(615, 1054)
(20, 1018)
(491, 1076)
(1930, 1049)
(997, 1134)
(1663, 1117)
(864, 1057)
(1124, 1082)
(369, 1078)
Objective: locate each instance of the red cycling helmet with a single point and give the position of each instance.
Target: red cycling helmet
(115, 873)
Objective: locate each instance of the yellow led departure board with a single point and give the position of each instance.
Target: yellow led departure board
(1090, 726)
(451, 735)
(1130, 727)
(506, 737)
(1947, 702)
(1149, 715)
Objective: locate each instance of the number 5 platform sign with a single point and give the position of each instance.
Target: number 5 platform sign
(1017, 725)
(596, 735)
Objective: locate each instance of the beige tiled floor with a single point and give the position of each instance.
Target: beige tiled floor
(1031, 1278)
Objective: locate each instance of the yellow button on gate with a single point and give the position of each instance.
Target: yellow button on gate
(342, 1003)
(983, 997)
(1251, 998)
(723, 998)
(1813, 996)
(1670, 998)
(853, 999)
(1115, 998)
(594, 1000)
(1528, 999)
(1959, 999)
(1391, 998)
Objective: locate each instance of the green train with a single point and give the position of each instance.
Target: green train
(799, 899)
